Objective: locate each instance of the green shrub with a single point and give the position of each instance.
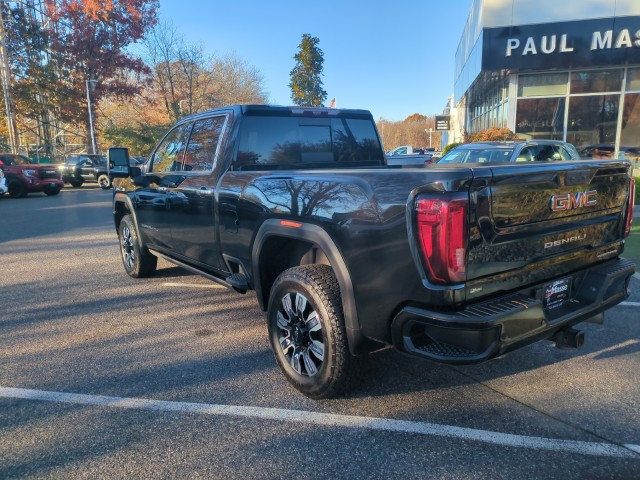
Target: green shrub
(449, 147)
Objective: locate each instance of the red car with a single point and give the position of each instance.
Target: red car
(24, 177)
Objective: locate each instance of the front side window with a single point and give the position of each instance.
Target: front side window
(203, 143)
(169, 155)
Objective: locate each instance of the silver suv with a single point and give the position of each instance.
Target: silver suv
(516, 151)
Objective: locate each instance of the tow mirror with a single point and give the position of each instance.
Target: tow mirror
(118, 162)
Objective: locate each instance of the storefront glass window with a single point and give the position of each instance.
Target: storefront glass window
(540, 118)
(630, 132)
(596, 81)
(542, 85)
(592, 124)
(633, 80)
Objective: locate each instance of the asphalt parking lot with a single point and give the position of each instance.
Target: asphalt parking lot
(104, 376)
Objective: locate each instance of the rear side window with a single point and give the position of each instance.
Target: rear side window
(543, 153)
(301, 142)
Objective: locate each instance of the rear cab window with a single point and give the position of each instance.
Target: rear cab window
(298, 142)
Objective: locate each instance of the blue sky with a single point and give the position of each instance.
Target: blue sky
(394, 58)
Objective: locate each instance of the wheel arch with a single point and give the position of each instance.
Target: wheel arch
(122, 206)
(300, 241)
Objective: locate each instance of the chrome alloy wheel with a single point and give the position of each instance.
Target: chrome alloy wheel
(128, 251)
(300, 334)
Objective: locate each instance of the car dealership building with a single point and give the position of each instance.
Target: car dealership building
(556, 70)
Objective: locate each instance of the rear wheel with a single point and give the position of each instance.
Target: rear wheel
(104, 181)
(17, 189)
(137, 260)
(307, 331)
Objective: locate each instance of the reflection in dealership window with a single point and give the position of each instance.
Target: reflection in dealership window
(542, 84)
(169, 154)
(633, 80)
(203, 142)
(592, 124)
(540, 118)
(598, 81)
(630, 131)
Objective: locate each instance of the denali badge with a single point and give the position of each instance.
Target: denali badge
(568, 201)
(564, 241)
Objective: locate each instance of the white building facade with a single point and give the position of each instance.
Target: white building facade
(557, 70)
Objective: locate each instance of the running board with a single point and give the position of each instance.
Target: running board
(192, 269)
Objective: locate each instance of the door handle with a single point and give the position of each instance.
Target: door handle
(162, 189)
(205, 192)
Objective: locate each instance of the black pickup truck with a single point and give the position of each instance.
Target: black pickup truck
(457, 264)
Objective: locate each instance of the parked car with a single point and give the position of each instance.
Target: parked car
(24, 177)
(3, 184)
(455, 265)
(502, 152)
(408, 156)
(404, 150)
(80, 168)
(605, 150)
(413, 161)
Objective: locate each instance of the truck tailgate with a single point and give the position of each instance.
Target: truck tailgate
(530, 224)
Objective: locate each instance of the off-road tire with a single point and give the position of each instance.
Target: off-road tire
(296, 334)
(138, 262)
(104, 181)
(17, 189)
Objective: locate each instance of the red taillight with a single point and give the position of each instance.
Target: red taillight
(630, 204)
(442, 231)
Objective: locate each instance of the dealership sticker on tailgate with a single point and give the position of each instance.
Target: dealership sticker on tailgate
(556, 293)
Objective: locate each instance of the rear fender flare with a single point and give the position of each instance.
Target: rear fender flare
(315, 235)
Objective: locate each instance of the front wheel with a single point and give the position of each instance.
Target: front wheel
(17, 189)
(76, 183)
(137, 260)
(307, 331)
(104, 181)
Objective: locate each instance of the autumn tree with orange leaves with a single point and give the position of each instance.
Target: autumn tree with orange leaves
(88, 41)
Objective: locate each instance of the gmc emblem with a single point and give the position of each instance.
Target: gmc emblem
(569, 201)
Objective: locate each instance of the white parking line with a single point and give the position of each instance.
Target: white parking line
(333, 420)
(630, 304)
(192, 285)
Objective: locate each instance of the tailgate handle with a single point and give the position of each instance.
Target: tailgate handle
(578, 177)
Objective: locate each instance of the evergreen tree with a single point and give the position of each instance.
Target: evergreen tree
(306, 84)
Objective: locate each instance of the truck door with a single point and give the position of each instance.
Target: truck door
(155, 198)
(193, 209)
(85, 169)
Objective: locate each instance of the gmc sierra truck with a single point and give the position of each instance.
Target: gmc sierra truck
(24, 177)
(458, 264)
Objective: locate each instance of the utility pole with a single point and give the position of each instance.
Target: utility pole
(6, 87)
(92, 132)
